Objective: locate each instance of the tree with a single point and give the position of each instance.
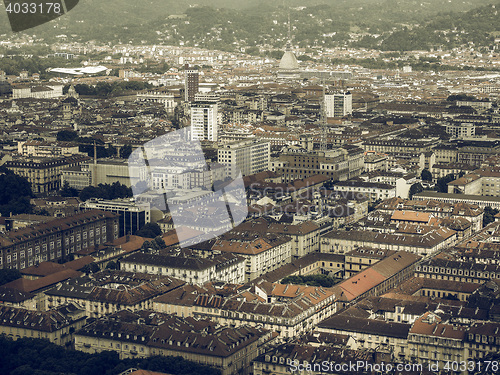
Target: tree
(15, 193)
(125, 151)
(150, 230)
(9, 274)
(426, 175)
(311, 280)
(67, 135)
(91, 268)
(160, 242)
(68, 191)
(113, 265)
(414, 189)
(106, 191)
(489, 215)
(442, 183)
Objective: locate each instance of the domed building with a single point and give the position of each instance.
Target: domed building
(289, 66)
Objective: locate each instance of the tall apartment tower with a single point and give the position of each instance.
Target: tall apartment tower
(338, 104)
(204, 124)
(191, 84)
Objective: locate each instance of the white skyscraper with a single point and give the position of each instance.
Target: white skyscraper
(204, 123)
(338, 104)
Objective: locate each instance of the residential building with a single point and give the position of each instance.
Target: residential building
(55, 325)
(461, 130)
(226, 267)
(42, 149)
(263, 252)
(191, 83)
(431, 340)
(288, 310)
(56, 239)
(339, 164)
(338, 104)
(246, 157)
(305, 236)
(108, 291)
(373, 190)
(204, 121)
(44, 174)
(427, 243)
(148, 333)
(390, 337)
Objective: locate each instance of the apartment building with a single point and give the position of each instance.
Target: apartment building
(46, 149)
(372, 190)
(108, 291)
(339, 164)
(55, 325)
(246, 157)
(44, 174)
(226, 267)
(288, 310)
(262, 252)
(57, 239)
(340, 242)
(305, 236)
(148, 333)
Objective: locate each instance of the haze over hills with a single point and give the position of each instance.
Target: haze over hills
(233, 24)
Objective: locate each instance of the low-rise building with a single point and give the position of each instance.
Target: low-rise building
(109, 291)
(373, 190)
(132, 215)
(341, 242)
(44, 174)
(147, 333)
(56, 239)
(55, 325)
(226, 267)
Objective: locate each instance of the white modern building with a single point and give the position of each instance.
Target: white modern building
(204, 124)
(248, 157)
(133, 215)
(338, 104)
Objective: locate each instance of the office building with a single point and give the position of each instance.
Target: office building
(132, 215)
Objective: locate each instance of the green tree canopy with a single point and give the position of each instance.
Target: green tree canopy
(150, 230)
(426, 175)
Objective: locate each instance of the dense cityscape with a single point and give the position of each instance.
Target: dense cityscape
(177, 208)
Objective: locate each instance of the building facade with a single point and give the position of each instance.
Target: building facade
(246, 157)
(57, 239)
